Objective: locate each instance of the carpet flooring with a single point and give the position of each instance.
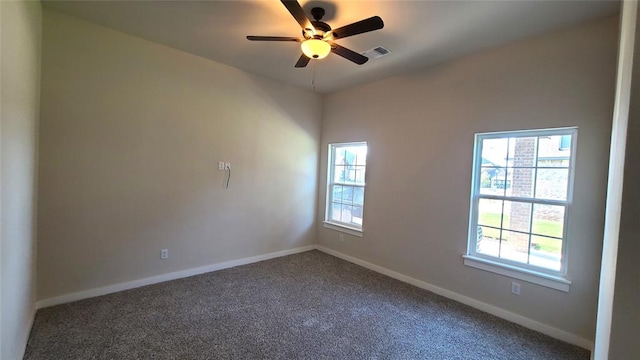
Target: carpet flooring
(304, 306)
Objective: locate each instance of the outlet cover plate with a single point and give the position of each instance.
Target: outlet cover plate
(515, 288)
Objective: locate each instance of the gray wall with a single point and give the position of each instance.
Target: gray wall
(131, 134)
(20, 89)
(420, 129)
(625, 325)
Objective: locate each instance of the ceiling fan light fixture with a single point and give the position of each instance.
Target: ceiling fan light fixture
(315, 48)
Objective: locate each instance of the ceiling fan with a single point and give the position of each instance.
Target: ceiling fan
(318, 38)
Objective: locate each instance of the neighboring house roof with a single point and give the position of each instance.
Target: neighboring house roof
(487, 162)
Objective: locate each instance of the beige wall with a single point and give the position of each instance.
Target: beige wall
(19, 103)
(625, 325)
(131, 134)
(420, 129)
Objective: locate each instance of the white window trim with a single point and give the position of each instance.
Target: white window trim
(334, 225)
(342, 228)
(553, 279)
(535, 277)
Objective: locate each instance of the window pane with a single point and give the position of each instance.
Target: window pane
(554, 151)
(562, 163)
(517, 216)
(358, 195)
(349, 174)
(521, 180)
(522, 151)
(347, 194)
(336, 211)
(486, 175)
(361, 155)
(340, 156)
(548, 220)
(346, 213)
(337, 192)
(350, 153)
(360, 171)
(494, 152)
(487, 241)
(555, 146)
(493, 181)
(552, 184)
(490, 212)
(546, 252)
(356, 215)
(339, 173)
(565, 142)
(490, 233)
(515, 246)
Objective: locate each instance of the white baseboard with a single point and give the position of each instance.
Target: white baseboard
(493, 310)
(25, 337)
(62, 299)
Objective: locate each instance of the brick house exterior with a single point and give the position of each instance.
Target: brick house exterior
(549, 184)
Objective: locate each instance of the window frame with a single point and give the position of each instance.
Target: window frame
(556, 279)
(328, 222)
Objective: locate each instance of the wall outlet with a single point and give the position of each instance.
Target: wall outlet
(227, 166)
(220, 165)
(515, 288)
(164, 254)
(341, 237)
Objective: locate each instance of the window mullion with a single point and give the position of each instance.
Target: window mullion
(349, 184)
(523, 199)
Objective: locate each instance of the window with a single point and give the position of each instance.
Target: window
(521, 195)
(345, 187)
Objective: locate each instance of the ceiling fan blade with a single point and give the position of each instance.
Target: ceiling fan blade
(298, 13)
(362, 26)
(348, 54)
(303, 61)
(273, 38)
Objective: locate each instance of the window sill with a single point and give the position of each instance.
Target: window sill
(342, 228)
(550, 281)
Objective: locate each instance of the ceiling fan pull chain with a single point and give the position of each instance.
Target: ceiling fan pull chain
(313, 78)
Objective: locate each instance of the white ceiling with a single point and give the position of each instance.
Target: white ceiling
(418, 33)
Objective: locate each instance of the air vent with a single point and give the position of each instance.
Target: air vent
(376, 52)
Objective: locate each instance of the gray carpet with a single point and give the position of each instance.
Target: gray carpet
(304, 306)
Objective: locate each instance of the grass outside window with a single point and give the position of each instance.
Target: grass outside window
(540, 227)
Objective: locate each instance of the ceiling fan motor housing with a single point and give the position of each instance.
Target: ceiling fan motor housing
(319, 31)
(321, 28)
